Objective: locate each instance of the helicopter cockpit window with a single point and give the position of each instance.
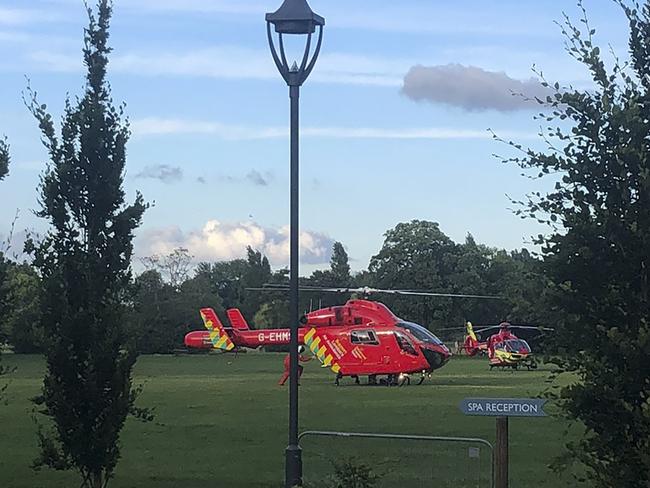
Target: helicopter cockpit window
(367, 337)
(404, 344)
(420, 333)
(517, 345)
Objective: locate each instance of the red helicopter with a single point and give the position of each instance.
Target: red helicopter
(504, 349)
(360, 338)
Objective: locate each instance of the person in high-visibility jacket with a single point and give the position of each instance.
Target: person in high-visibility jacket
(287, 365)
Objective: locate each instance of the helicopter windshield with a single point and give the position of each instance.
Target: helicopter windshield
(516, 345)
(420, 333)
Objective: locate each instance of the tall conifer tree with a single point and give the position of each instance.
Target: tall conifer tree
(84, 261)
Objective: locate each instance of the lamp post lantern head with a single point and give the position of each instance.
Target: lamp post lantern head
(295, 17)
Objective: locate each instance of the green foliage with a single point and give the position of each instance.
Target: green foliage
(4, 265)
(340, 266)
(4, 158)
(20, 321)
(339, 272)
(351, 473)
(273, 315)
(174, 267)
(258, 273)
(4, 170)
(596, 253)
(417, 255)
(161, 314)
(84, 262)
(226, 278)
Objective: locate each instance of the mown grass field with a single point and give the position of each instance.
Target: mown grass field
(221, 422)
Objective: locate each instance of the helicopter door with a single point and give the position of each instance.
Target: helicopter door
(362, 342)
(405, 344)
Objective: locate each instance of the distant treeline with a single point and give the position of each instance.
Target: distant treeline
(162, 302)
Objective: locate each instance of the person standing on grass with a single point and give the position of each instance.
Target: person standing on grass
(287, 365)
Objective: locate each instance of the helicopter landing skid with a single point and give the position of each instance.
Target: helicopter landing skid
(424, 377)
(337, 381)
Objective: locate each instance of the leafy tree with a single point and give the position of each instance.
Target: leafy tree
(4, 158)
(175, 266)
(227, 279)
(84, 261)
(596, 252)
(272, 315)
(258, 273)
(416, 255)
(162, 314)
(339, 272)
(339, 265)
(21, 318)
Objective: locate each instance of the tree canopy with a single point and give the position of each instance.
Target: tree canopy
(596, 253)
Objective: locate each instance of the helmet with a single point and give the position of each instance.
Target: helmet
(301, 349)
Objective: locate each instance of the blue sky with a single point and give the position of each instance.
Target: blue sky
(383, 141)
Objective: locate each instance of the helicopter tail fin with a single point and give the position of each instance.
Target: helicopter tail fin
(237, 319)
(471, 341)
(218, 335)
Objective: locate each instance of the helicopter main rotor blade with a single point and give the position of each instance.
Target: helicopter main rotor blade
(433, 294)
(367, 291)
(529, 327)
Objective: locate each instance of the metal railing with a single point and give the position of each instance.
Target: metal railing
(421, 438)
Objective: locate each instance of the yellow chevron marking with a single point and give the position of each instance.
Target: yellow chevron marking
(214, 335)
(310, 334)
(336, 368)
(322, 351)
(230, 346)
(221, 341)
(328, 360)
(315, 344)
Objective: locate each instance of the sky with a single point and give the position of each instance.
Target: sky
(395, 118)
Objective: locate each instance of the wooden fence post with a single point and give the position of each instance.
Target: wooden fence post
(502, 453)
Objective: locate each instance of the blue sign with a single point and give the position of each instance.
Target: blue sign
(503, 407)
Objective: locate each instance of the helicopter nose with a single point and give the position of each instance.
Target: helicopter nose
(435, 358)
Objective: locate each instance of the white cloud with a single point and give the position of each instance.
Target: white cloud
(225, 62)
(153, 126)
(218, 241)
(472, 88)
(163, 172)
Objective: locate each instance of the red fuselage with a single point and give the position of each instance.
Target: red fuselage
(363, 337)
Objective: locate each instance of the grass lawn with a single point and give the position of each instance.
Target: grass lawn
(221, 422)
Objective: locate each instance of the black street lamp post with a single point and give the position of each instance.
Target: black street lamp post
(294, 17)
